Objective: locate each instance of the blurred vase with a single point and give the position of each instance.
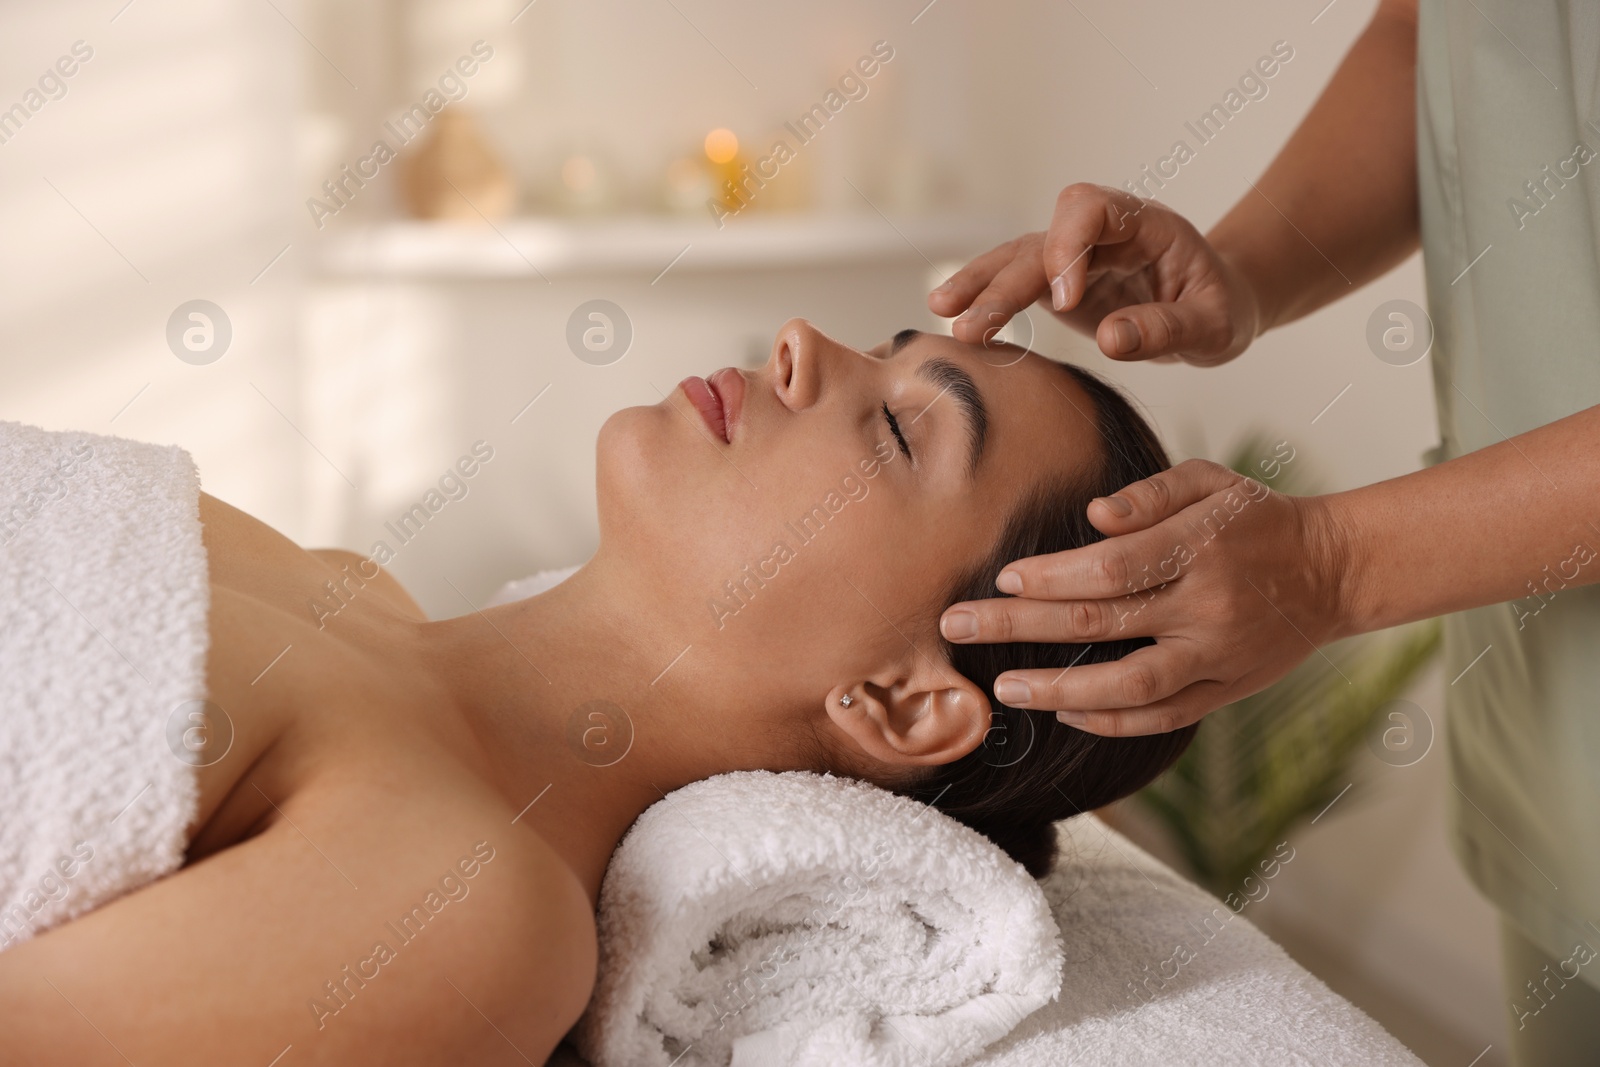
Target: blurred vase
(587, 184)
(455, 174)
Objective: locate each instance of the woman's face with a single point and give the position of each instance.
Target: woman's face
(800, 521)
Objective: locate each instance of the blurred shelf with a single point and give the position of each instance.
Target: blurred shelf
(646, 244)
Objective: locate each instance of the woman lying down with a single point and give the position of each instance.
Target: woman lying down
(380, 748)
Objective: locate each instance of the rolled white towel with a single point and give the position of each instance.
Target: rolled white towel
(758, 918)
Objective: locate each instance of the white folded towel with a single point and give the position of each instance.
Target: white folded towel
(796, 919)
(103, 601)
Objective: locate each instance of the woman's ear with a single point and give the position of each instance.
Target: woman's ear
(933, 715)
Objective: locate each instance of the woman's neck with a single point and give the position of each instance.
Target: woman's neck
(590, 703)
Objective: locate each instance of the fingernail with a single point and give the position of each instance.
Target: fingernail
(962, 319)
(1126, 335)
(1117, 505)
(1071, 718)
(1058, 293)
(1012, 691)
(943, 286)
(1009, 582)
(959, 625)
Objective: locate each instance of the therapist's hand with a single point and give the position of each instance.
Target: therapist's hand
(1236, 583)
(1131, 273)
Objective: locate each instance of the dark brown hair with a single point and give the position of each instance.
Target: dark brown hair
(1031, 770)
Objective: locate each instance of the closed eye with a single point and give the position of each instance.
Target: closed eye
(894, 428)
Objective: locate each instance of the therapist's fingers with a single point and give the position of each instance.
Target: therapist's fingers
(1151, 543)
(1004, 619)
(1144, 677)
(1085, 215)
(1198, 325)
(1017, 285)
(1142, 504)
(986, 293)
(1106, 569)
(1237, 588)
(956, 294)
(1185, 708)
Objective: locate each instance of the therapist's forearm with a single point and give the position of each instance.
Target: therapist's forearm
(1338, 206)
(1516, 521)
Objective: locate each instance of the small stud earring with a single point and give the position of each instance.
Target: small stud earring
(846, 700)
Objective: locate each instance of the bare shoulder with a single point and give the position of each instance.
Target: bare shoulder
(353, 566)
(246, 554)
(365, 925)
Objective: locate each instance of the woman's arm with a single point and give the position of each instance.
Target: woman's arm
(267, 949)
(1347, 179)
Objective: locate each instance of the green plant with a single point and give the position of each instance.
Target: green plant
(1259, 766)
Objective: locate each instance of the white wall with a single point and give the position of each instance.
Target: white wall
(157, 179)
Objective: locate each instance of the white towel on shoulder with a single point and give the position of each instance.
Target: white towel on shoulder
(103, 601)
(797, 919)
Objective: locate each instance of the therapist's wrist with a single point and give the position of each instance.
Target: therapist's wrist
(1251, 278)
(1339, 554)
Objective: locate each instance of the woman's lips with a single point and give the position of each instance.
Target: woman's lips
(728, 384)
(717, 399)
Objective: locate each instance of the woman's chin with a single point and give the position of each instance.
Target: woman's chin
(641, 480)
(624, 450)
(668, 506)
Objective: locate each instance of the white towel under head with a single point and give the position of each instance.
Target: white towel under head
(758, 918)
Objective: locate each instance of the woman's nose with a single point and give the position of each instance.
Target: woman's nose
(795, 363)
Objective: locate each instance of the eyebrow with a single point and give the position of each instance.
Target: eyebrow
(952, 379)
